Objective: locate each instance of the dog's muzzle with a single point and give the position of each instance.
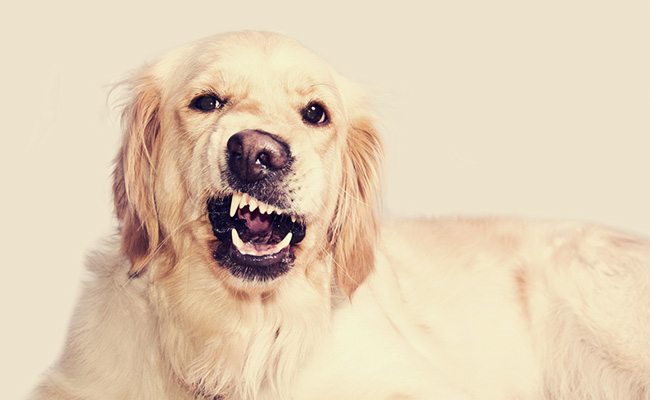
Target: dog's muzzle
(256, 232)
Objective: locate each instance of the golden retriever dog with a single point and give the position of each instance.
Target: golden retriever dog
(251, 262)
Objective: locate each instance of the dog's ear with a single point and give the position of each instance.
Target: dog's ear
(356, 225)
(134, 176)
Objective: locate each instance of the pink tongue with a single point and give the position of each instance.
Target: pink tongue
(256, 222)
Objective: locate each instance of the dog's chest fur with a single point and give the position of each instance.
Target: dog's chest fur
(242, 345)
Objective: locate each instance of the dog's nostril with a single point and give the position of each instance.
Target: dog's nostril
(263, 159)
(252, 154)
(235, 147)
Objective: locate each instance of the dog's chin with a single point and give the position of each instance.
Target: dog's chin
(257, 241)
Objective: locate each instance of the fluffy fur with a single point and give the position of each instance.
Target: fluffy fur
(439, 309)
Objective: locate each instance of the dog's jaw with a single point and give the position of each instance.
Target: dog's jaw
(257, 239)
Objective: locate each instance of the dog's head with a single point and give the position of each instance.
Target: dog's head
(248, 149)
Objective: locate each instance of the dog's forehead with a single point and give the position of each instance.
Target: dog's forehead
(259, 56)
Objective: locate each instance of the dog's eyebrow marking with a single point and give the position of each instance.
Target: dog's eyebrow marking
(253, 107)
(207, 90)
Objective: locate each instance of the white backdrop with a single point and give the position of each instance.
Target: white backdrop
(538, 109)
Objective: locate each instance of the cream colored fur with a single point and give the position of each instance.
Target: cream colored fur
(438, 309)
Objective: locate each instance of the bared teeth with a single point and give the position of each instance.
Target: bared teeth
(236, 198)
(241, 200)
(236, 240)
(245, 199)
(263, 207)
(252, 204)
(285, 242)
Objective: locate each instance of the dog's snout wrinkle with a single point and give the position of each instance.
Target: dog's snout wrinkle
(253, 154)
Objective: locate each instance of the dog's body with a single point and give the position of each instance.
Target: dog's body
(285, 287)
(494, 309)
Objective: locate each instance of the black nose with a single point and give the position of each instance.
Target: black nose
(253, 154)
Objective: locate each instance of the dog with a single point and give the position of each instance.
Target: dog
(251, 261)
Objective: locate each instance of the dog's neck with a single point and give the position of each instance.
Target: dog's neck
(249, 344)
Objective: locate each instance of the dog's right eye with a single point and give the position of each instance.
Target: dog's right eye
(206, 103)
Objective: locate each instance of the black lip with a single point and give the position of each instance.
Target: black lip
(249, 267)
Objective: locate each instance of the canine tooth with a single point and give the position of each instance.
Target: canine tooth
(293, 219)
(263, 207)
(252, 205)
(236, 199)
(236, 240)
(285, 242)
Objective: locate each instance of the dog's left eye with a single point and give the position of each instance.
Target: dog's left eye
(315, 114)
(206, 103)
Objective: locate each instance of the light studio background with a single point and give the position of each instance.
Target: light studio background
(528, 108)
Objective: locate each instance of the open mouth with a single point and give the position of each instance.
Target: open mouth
(257, 239)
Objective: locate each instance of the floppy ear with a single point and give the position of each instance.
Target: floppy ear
(356, 225)
(133, 184)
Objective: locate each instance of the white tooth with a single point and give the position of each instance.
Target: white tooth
(285, 242)
(252, 205)
(263, 207)
(236, 240)
(270, 210)
(278, 212)
(244, 200)
(236, 198)
(293, 218)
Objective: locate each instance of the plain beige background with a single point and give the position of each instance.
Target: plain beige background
(529, 108)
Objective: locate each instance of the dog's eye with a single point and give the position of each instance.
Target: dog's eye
(315, 114)
(206, 103)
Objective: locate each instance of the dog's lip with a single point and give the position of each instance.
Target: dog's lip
(259, 261)
(254, 234)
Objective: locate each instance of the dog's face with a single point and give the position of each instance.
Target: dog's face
(248, 150)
